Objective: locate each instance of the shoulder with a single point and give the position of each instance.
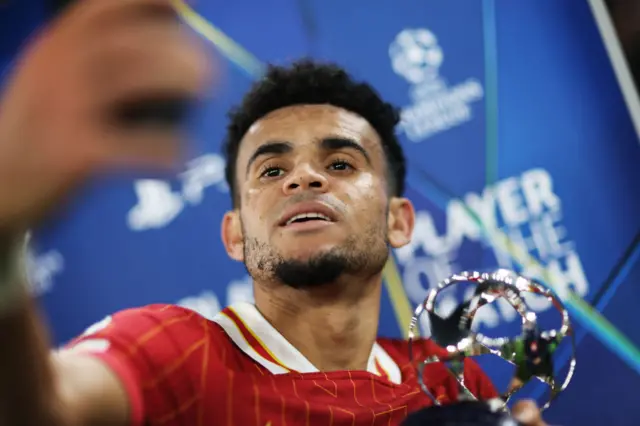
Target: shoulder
(157, 312)
(138, 344)
(143, 325)
(142, 341)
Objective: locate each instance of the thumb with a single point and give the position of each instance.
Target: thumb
(527, 413)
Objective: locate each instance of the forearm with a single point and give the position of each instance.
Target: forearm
(27, 391)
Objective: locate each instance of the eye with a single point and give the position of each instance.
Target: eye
(340, 165)
(271, 171)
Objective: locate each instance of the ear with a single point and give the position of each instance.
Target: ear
(232, 236)
(400, 222)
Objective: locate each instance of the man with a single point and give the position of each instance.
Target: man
(317, 180)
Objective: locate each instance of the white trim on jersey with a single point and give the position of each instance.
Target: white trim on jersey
(284, 352)
(236, 336)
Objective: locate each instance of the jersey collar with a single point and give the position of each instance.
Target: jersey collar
(257, 338)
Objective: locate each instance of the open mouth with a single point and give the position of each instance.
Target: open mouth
(307, 217)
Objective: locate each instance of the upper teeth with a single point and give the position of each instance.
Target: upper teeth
(308, 216)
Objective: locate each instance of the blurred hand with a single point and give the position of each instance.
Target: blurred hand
(57, 112)
(527, 413)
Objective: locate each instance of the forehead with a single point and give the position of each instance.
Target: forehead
(307, 124)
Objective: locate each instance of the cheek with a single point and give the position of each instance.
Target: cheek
(253, 199)
(367, 194)
(252, 227)
(362, 186)
(255, 206)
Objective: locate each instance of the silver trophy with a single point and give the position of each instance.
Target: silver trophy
(531, 351)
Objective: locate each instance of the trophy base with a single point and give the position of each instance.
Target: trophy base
(467, 413)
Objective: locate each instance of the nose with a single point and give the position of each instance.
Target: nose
(305, 177)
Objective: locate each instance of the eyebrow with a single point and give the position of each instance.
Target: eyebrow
(328, 144)
(334, 144)
(269, 148)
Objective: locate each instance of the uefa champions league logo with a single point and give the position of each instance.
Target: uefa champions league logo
(416, 55)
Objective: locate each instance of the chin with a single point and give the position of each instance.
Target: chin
(307, 248)
(310, 242)
(305, 253)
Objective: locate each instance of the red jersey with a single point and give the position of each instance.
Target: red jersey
(182, 369)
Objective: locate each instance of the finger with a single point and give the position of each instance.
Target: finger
(155, 147)
(89, 19)
(149, 59)
(97, 13)
(148, 73)
(527, 413)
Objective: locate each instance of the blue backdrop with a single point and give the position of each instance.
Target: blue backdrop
(510, 108)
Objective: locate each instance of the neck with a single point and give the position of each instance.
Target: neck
(317, 321)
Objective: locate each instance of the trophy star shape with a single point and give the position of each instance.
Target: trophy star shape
(531, 352)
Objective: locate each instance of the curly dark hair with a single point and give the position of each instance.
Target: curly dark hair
(307, 82)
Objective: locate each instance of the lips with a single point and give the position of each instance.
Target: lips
(306, 217)
(307, 212)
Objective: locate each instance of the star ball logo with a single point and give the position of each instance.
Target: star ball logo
(416, 55)
(436, 106)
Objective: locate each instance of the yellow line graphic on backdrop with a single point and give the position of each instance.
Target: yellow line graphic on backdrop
(232, 50)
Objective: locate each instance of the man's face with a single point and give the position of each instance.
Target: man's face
(314, 205)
